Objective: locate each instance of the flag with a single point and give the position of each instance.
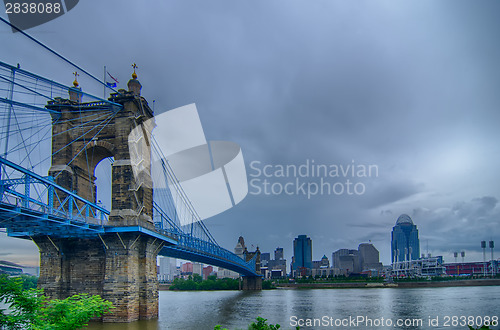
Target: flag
(111, 84)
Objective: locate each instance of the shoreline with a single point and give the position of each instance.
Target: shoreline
(361, 285)
(369, 285)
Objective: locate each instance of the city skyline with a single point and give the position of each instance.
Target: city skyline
(287, 255)
(408, 87)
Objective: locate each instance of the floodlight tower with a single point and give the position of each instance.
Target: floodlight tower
(492, 245)
(483, 246)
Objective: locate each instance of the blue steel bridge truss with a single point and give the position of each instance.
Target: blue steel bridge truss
(31, 204)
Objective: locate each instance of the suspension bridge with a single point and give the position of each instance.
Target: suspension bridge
(54, 138)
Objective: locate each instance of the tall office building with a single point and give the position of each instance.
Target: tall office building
(405, 245)
(265, 257)
(369, 257)
(197, 268)
(240, 247)
(277, 267)
(167, 269)
(346, 261)
(278, 254)
(302, 252)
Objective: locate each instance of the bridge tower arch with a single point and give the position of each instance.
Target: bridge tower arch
(86, 133)
(119, 265)
(252, 283)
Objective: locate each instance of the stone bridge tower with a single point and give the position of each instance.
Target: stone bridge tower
(121, 264)
(251, 283)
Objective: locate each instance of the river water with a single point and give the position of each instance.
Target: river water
(377, 308)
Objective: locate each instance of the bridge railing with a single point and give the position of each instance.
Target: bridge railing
(187, 242)
(196, 244)
(22, 188)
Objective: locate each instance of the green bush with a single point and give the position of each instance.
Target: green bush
(30, 309)
(268, 285)
(261, 324)
(212, 283)
(29, 282)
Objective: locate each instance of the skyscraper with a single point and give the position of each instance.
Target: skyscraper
(265, 257)
(167, 269)
(369, 257)
(278, 254)
(278, 265)
(346, 261)
(240, 247)
(302, 252)
(405, 245)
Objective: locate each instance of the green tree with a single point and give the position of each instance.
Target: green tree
(24, 304)
(261, 324)
(29, 282)
(219, 327)
(267, 285)
(197, 283)
(30, 309)
(197, 278)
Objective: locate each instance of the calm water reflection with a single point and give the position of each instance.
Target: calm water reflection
(236, 310)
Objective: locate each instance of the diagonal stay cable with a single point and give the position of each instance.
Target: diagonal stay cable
(85, 146)
(17, 147)
(27, 88)
(105, 116)
(183, 194)
(55, 53)
(105, 121)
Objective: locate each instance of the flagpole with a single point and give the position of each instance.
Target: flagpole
(104, 92)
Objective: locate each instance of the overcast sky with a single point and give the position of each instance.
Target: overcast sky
(411, 87)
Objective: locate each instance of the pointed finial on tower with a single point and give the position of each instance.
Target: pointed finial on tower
(133, 84)
(75, 83)
(134, 75)
(75, 93)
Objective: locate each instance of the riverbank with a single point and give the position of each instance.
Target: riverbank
(423, 284)
(164, 286)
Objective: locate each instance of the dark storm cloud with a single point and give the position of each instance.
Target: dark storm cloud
(461, 226)
(387, 190)
(375, 237)
(411, 87)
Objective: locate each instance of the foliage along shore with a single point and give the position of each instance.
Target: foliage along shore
(196, 283)
(396, 284)
(29, 309)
